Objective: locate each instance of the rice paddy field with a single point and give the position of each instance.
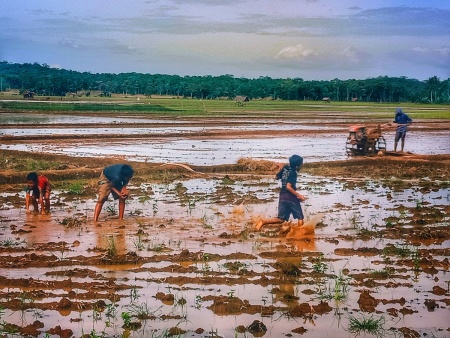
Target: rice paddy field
(186, 260)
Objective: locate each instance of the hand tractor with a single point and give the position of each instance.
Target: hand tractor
(365, 140)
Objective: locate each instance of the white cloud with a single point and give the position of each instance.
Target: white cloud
(298, 51)
(421, 49)
(444, 50)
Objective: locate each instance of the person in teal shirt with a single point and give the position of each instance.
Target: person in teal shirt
(289, 199)
(113, 180)
(403, 121)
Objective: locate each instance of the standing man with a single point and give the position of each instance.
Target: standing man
(403, 121)
(113, 180)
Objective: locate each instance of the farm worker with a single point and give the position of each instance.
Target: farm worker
(113, 180)
(289, 198)
(403, 121)
(38, 189)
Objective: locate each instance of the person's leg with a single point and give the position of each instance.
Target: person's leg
(98, 208)
(121, 207)
(297, 212)
(403, 141)
(104, 190)
(42, 204)
(34, 202)
(27, 202)
(282, 213)
(47, 200)
(263, 222)
(397, 137)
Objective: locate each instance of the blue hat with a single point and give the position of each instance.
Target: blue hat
(398, 111)
(295, 161)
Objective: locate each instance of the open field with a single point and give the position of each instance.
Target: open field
(186, 261)
(218, 108)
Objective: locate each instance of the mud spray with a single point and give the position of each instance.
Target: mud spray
(307, 229)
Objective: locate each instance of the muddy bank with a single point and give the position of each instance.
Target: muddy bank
(60, 167)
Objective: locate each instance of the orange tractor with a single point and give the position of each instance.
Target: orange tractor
(365, 140)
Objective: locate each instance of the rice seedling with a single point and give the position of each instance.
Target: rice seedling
(355, 220)
(111, 250)
(134, 294)
(155, 207)
(371, 325)
(319, 266)
(110, 313)
(141, 311)
(71, 222)
(126, 317)
(138, 243)
(61, 256)
(144, 199)
(383, 273)
(337, 288)
(198, 302)
(111, 210)
(9, 242)
(205, 221)
(156, 246)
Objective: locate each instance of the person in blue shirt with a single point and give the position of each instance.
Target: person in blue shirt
(289, 198)
(403, 121)
(113, 180)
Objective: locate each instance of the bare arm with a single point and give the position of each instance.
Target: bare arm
(41, 201)
(123, 193)
(292, 191)
(27, 201)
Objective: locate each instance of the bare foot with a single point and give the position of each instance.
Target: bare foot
(258, 225)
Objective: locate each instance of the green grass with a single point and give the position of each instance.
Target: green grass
(223, 108)
(27, 164)
(76, 188)
(371, 325)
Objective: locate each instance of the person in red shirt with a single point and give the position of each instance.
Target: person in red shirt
(38, 191)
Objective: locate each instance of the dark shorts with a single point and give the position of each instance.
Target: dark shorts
(286, 208)
(400, 135)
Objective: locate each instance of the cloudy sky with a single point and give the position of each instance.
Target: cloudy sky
(310, 39)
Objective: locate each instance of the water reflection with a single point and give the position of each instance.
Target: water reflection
(225, 151)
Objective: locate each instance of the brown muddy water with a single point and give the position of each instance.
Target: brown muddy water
(186, 257)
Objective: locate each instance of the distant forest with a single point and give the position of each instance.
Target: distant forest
(46, 81)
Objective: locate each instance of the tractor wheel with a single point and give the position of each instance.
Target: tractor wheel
(380, 144)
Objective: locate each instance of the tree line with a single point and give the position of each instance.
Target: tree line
(46, 81)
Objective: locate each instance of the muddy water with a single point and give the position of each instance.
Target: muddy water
(323, 147)
(164, 220)
(189, 141)
(186, 256)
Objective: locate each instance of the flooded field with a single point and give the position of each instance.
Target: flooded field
(186, 260)
(199, 142)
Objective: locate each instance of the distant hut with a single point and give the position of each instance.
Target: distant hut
(28, 94)
(241, 99)
(326, 99)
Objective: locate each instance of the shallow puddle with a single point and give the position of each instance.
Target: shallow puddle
(225, 151)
